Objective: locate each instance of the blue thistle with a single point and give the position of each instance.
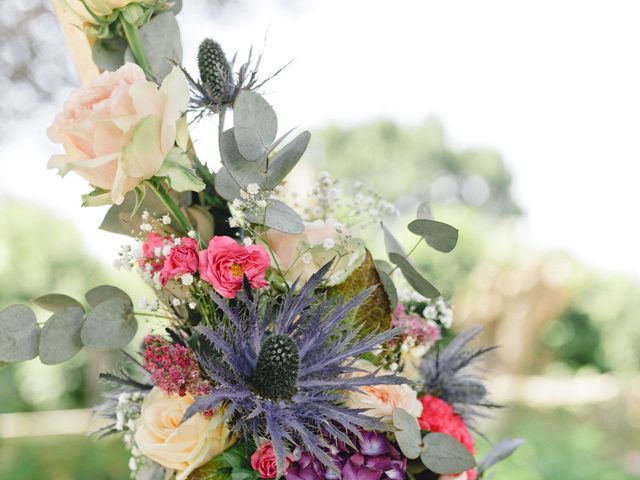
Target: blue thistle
(283, 371)
(450, 374)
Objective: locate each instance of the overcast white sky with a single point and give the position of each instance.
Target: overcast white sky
(553, 85)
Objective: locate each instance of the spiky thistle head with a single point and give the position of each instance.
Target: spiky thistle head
(215, 71)
(452, 375)
(283, 371)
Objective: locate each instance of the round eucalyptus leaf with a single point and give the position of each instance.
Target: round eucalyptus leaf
(19, 334)
(286, 158)
(279, 216)
(110, 325)
(226, 186)
(255, 124)
(242, 170)
(99, 294)
(441, 236)
(60, 338)
(415, 279)
(407, 434)
(54, 302)
(444, 455)
(424, 211)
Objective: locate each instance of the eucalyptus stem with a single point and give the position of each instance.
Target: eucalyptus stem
(135, 44)
(406, 256)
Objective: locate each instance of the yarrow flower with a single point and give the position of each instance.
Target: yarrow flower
(173, 368)
(417, 330)
(224, 263)
(283, 370)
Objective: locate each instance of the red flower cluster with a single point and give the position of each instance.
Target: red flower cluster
(173, 368)
(438, 416)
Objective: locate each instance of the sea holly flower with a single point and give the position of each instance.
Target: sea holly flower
(117, 131)
(224, 264)
(283, 370)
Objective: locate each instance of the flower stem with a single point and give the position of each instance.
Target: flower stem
(172, 207)
(406, 256)
(133, 38)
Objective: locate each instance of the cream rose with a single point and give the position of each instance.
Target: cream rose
(301, 255)
(101, 8)
(183, 447)
(379, 401)
(117, 131)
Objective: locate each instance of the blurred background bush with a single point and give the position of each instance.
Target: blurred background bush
(569, 332)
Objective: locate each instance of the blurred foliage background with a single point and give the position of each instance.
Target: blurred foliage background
(569, 335)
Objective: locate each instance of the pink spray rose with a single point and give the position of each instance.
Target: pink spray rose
(181, 260)
(224, 262)
(263, 461)
(117, 131)
(152, 251)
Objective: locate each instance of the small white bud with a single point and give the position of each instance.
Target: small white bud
(192, 234)
(166, 219)
(187, 279)
(247, 241)
(253, 189)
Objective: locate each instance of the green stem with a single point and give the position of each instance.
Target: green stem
(407, 255)
(172, 206)
(133, 38)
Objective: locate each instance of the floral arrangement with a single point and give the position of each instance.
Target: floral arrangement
(285, 349)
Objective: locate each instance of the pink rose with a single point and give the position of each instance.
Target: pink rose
(224, 262)
(150, 247)
(182, 259)
(117, 131)
(263, 461)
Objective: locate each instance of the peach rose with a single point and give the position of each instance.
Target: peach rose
(117, 131)
(181, 446)
(301, 255)
(379, 401)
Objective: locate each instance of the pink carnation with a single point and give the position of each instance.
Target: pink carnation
(224, 262)
(438, 416)
(182, 259)
(150, 246)
(174, 368)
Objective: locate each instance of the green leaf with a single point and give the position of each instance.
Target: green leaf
(231, 464)
(407, 434)
(108, 54)
(383, 266)
(54, 302)
(391, 244)
(415, 279)
(160, 38)
(241, 170)
(133, 14)
(279, 217)
(285, 159)
(424, 211)
(226, 186)
(255, 124)
(99, 294)
(110, 325)
(389, 288)
(444, 455)
(501, 450)
(121, 219)
(60, 337)
(19, 334)
(202, 221)
(178, 168)
(438, 235)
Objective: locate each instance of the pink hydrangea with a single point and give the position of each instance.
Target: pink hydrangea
(422, 331)
(173, 368)
(224, 263)
(182, 259)
(438, 416)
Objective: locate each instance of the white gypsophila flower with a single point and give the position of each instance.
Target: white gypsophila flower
(177, 241)
(233, 223)
(237, 203)
(166, 250)
(176, 302)
(192, 234)
(247, 241)
(146, 227)
(430, 312)
(145, 215)
(157, 252)
(154, 305)
(261, 203)
(328, 243)
(187, 279)
(166, 219)
(193, 305)
(306, 258)
(447, 319)
(143, 303)
(253, 189)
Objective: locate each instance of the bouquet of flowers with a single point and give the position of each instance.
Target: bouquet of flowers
(281, 347)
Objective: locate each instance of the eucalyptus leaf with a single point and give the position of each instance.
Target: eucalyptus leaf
(226, 186)
(407, 434)
(19, 334)
(424, 211)
(444, 455)
(501, 450)
(110, 325)
(384, 266)
(285, 159)
(99, 294)
(391, 244)
(441, 236)
(54, 302)
(255, 124)
(415, 279)
(160, 38)
(280, 217)
(60, 337)
(121, 219)
(108, 54)
(241, 170)
(389, 288)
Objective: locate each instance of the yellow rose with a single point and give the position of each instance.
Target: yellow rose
(379, 401)
(183, 447)
(117, 131)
